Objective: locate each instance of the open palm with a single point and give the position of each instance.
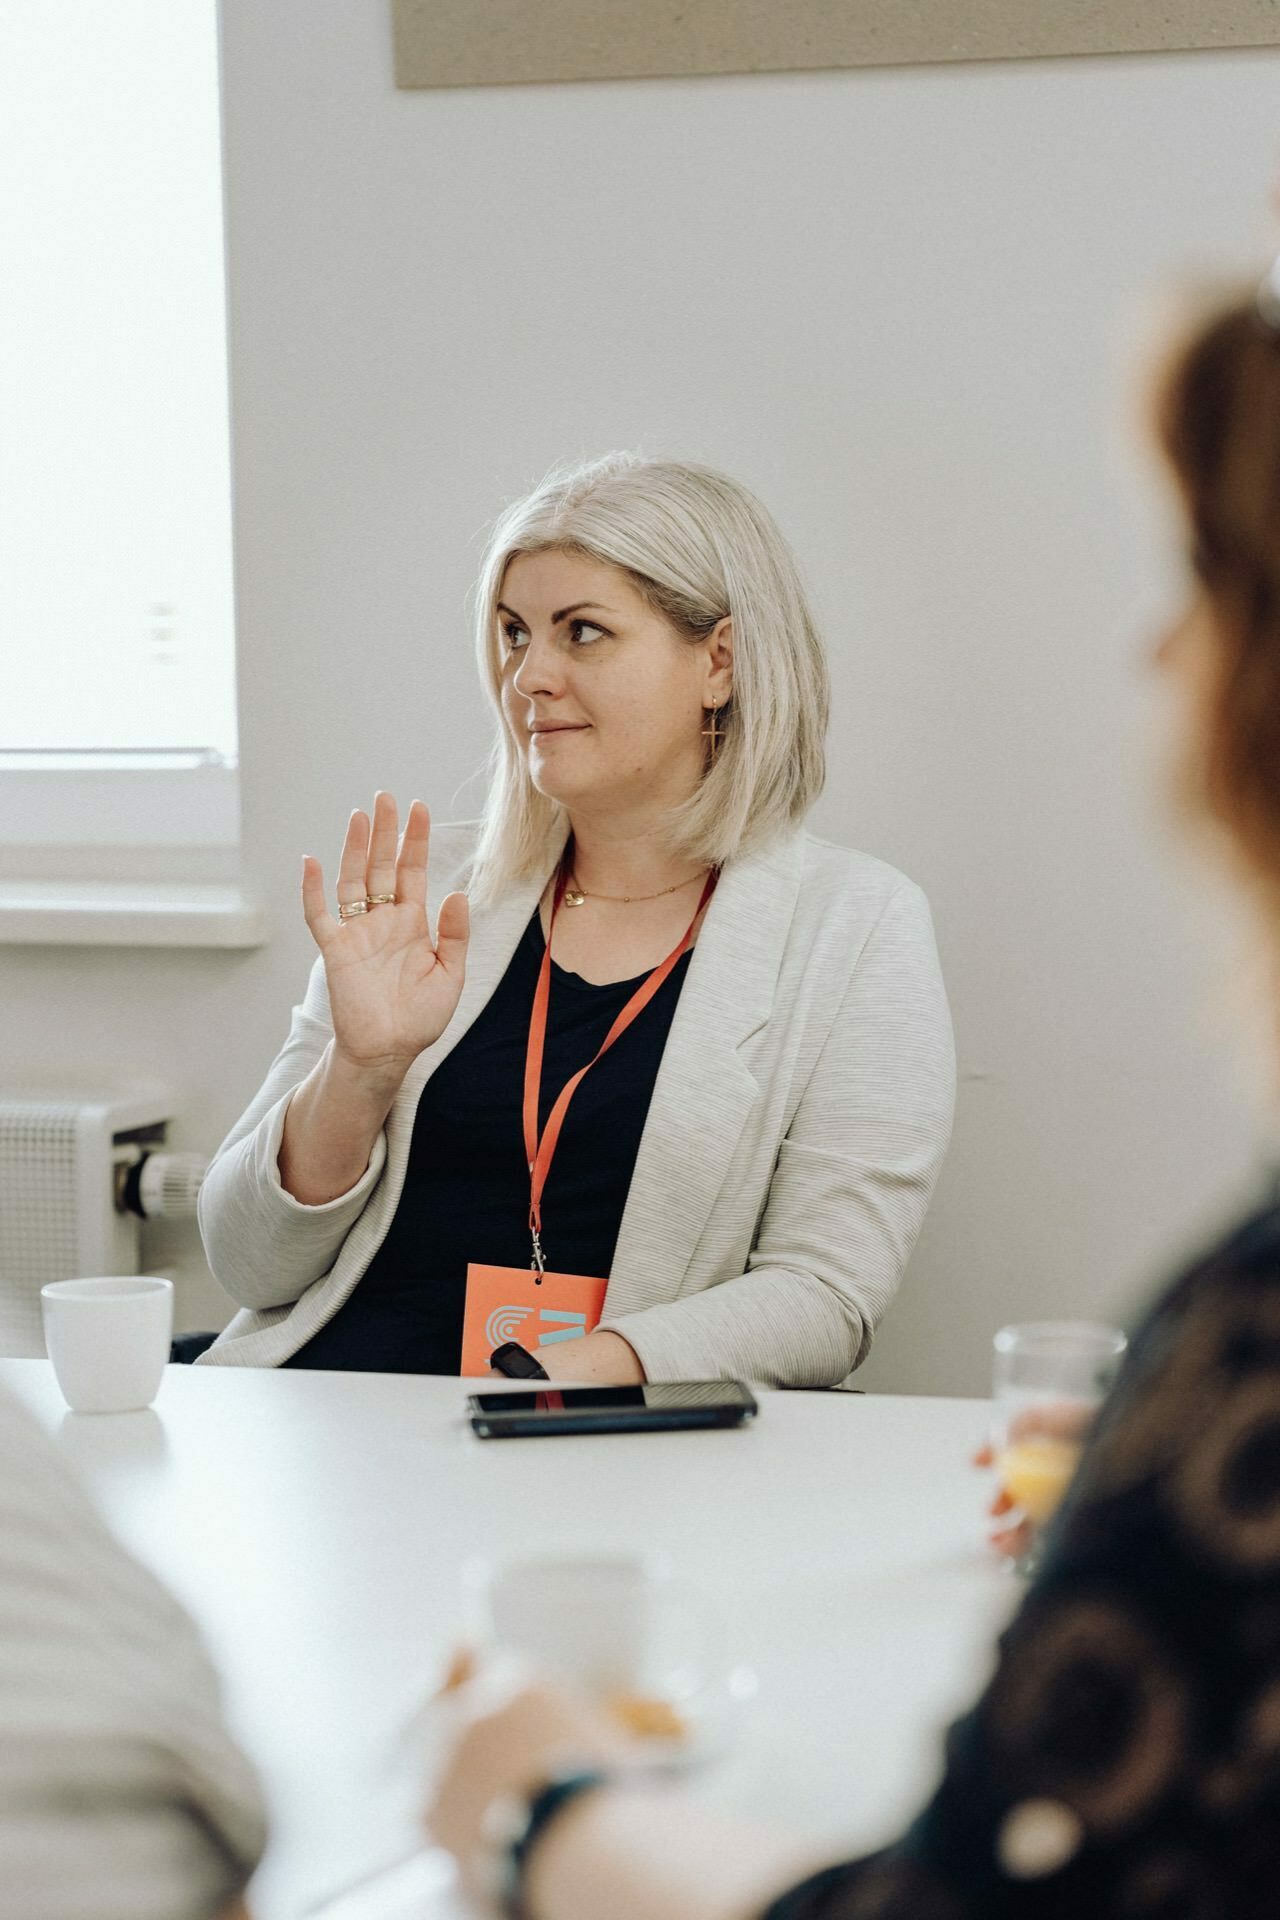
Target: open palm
(391, 992)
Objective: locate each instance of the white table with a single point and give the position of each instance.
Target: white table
(315, 1524)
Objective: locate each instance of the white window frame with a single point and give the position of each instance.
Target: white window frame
(93, 841)
(177, 798)
(123, 850)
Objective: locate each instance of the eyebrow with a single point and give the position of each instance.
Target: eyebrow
(564, 612)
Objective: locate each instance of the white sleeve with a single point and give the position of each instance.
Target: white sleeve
(262, 1245)
(122, 1794)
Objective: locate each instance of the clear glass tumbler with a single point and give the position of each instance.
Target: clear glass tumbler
(1050, 1377)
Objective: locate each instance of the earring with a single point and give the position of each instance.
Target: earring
(712, 732)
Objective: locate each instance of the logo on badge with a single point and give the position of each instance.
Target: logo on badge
(568, 1326)
(504, 1323)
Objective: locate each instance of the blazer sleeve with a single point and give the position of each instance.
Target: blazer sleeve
(263, 1246)
(849, 1191)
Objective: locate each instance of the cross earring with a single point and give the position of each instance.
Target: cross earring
(712, 732)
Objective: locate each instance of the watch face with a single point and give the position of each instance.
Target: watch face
(515, 1361)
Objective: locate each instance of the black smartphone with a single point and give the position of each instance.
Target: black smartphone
(680, 1403)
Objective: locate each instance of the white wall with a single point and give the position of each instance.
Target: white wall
(894, 304)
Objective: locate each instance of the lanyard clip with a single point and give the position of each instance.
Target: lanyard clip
(537, 1265)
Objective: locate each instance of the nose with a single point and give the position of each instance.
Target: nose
(538, 671)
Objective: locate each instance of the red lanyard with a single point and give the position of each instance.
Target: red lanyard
(540, 1153)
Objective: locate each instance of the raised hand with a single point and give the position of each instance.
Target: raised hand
(391, 992)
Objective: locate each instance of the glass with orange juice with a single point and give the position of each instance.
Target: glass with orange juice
(1050, 1378)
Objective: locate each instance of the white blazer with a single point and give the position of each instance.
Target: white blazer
(799, 1118)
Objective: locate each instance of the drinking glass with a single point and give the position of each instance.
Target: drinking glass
(1050, 1377)
(642, 1646)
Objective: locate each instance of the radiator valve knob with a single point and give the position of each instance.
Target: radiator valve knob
(164, 1186)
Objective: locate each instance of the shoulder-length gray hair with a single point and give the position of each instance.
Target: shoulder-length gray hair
(697, 546)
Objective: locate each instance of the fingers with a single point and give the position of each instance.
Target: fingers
(453, 931)
(355, 857)
(461, 1670)
(1014, 1541)
(380, 872)
(373, 864)
(317, 915)
(411, 866)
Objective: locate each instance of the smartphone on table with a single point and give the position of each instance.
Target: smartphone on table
(651, 1408)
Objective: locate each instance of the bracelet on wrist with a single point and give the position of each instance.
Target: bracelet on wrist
(535, 1815)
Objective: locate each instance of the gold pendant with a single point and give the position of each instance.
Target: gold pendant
(572, 898)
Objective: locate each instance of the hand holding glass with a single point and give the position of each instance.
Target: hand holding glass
(618, 1630)
(1050, 1378)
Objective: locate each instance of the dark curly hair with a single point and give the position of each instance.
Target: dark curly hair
(1217, 420)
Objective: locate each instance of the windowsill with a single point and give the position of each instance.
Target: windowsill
(128, 913)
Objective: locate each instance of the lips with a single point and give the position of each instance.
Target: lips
(540, 732)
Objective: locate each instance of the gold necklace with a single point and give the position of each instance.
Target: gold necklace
(575, 897)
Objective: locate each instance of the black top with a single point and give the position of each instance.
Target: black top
(466, 1186)
(1124, 1763)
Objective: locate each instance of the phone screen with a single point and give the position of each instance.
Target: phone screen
(682, 1403)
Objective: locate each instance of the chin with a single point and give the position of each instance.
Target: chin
(556, 780)
(564, 794)
(550, 782)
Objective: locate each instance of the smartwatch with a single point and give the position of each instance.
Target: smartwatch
(517, 1362)
(518, 1824)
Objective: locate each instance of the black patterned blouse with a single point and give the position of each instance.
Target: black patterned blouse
(1124, 1763)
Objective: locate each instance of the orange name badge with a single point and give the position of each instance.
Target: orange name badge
(515, 1303)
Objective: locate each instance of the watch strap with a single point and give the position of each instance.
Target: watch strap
(542, 1808)
(527, 1367)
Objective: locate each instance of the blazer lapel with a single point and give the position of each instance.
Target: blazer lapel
(704, 1090)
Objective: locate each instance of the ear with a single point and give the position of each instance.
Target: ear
(719, 645)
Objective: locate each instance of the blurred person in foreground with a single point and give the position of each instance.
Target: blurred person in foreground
(122, 1794)
(1125, 1759)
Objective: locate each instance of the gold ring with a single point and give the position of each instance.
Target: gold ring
(354, 907)
(382, 899)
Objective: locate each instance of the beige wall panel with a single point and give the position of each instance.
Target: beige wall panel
(466, 43)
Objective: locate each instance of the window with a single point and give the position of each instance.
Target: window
(117, 693)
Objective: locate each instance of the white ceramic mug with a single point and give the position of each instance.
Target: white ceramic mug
(108, 1339)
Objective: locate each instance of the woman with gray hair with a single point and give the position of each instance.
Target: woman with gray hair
(664, 1093)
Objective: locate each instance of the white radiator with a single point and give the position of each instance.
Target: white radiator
(62, 1162)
